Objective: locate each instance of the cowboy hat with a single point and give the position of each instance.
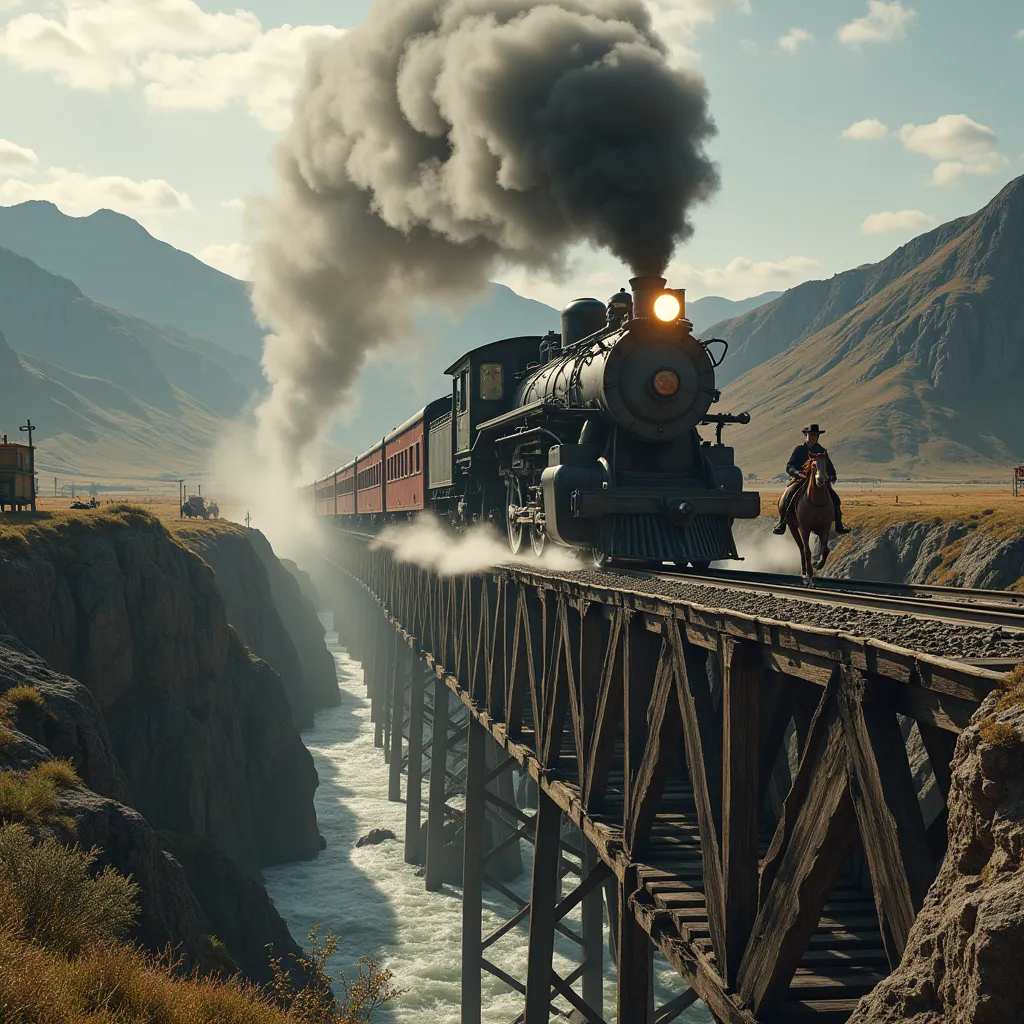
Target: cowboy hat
(813, 429)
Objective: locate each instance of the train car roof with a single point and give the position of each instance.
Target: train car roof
(415, 418)
(372, 450)
(491, 345)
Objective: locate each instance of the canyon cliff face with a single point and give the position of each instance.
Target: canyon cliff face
(964, 954)
(172, 910)
(201, 729)
(269, 612)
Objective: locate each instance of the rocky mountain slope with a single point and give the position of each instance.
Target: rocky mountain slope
(707, 312)
(911, 363)
(91, 428)
(115, 261)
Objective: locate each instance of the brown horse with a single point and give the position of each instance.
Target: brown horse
(811, 512)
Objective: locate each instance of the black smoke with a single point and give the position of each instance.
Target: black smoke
(443, 140)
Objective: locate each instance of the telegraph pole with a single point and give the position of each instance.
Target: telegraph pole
(181, 499)
(29, 427)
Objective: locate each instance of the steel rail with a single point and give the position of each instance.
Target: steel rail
(956, 605)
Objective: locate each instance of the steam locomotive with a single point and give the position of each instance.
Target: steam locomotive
(587, 439)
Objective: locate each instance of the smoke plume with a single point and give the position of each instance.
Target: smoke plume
(445, 139)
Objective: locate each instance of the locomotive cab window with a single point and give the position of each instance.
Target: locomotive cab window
(492, 382)
(461, 390)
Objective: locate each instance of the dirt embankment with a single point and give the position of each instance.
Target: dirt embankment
(183, 739)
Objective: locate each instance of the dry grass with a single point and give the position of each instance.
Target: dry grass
(999, 734)
(874, 508)
(33, 796)
(24, 698)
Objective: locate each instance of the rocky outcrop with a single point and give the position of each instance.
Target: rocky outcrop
(298, 610)
(200, 728)
(963, 956)
(239, 910)
(185, 895)
(269, 613)
(961, 554)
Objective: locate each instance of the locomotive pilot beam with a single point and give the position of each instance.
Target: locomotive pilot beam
(587, 439)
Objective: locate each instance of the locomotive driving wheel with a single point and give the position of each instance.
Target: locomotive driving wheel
(514, 493)
(538, 538)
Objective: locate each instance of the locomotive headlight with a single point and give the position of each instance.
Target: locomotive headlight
(666, 383)
(667, 308)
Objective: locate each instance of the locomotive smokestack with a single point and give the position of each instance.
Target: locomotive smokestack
(442, 140)
(645, 291)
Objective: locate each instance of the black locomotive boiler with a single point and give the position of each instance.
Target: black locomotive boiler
(587, 439)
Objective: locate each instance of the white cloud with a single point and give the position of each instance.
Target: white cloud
(234, 259)
(15, 159)
(183, 56)
(741, 277)
(792, 40)
(676, 20)
(78, 195)
(236, 203)
(959, 146)
(1020, 33)
(262, 76)
(885, 22)
(869, 128)
(906, 221)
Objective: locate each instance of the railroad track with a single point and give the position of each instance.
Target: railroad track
(957, 605)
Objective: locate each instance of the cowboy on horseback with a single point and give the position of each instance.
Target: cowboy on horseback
(795, 468)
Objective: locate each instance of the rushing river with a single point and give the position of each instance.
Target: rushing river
(375, 903)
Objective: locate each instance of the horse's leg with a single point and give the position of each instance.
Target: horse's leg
(805, 543)
(791, 522)
(823, 557)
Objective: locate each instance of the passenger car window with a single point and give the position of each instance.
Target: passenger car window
(492, 382)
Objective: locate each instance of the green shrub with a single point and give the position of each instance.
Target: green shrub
(24, 698)
(32, 796)
(53, 897)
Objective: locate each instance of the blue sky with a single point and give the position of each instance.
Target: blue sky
(168, 110)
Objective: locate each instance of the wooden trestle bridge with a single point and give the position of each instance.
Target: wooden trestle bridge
(742, 787)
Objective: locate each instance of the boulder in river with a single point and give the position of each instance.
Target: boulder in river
(375, 837)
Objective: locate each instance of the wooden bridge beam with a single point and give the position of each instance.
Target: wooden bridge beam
(543, 897)
(414, 783)
(473, 872)
(435, 807)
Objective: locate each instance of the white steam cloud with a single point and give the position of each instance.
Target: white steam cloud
(428, 543)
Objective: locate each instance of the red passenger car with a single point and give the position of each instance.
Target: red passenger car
(370, 481)
(345, 490)
(404, 466)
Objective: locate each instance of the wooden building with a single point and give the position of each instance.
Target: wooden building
(16, 476)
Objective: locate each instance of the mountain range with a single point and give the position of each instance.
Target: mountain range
(136, 355)
(913, 365)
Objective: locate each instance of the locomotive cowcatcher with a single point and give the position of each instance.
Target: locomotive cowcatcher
(587, 439)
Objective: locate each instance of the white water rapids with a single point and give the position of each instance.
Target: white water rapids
(378, 907)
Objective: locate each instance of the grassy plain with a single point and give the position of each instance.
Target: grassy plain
(877, 507)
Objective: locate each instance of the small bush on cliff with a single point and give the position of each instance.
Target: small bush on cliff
(24, 698)
(50, 894)
(315, 1003)
(33, 796)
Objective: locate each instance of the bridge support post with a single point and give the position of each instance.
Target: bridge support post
(593, 935)
(633, 948)
(473, 872)
(401, 675)
(543, 897)
(378, 697)
(435, 807)
(414, 791)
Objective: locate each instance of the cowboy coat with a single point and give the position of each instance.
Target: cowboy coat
(801, 453)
